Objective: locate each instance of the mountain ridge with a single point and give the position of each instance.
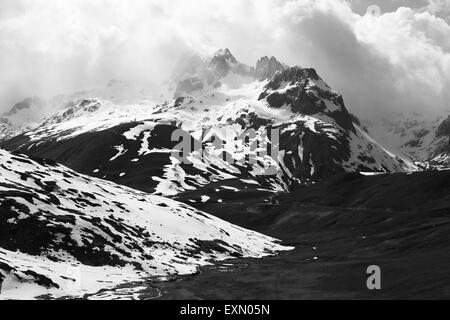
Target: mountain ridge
(421, 137)
(316, 132)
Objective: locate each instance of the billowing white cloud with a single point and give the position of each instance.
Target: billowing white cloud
(50, 46)
(398, 60)
(440, 8)
(395, 61)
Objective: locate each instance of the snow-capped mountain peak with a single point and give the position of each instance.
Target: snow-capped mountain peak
(24, 113)
(194, 73)
(224, 54)
(317, 137)
(306, 93)
(29, 103)
(421, 137)
(267, 67)
(224, 62)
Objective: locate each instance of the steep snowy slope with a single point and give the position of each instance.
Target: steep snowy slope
(132, 145)
(66, 234)
(421, 137)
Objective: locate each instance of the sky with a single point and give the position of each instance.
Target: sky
(396, 58)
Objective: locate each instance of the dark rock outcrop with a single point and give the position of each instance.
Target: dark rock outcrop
(297, 87)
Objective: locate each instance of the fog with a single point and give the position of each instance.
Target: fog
(398, 60)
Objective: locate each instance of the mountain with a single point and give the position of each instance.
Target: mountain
(22, 114)
(267, 67)
(131, 144)
(194, 74)
(67, 234)
(423, 138)
(133, 189)
(32, 111)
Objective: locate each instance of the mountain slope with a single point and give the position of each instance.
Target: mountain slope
(55, 222)
(131, 143)
(418, 136)
(25, 113)
(32, 111)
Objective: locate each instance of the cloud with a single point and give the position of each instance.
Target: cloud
(440, 8)
(49, 47)
(397, 61)
(360, 6)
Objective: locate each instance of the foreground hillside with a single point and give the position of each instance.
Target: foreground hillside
(66, 234)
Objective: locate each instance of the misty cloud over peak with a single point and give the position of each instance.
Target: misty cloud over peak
(399, 60)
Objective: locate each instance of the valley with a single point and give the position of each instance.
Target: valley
(94, 204)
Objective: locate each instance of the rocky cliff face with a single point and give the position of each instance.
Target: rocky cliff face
(195, 74)
(306, 93)
(266, 68)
